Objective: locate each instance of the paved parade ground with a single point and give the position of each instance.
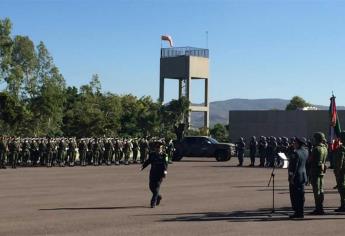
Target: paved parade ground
(200, 197)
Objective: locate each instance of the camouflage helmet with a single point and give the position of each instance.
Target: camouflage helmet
(301, 141)
(319, 137)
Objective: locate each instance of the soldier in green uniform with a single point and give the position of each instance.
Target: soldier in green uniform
(339, 171)
(144, 150)
(96, 151)
(108, 152)
(127, 147)
(25, 153)
(14, 150)
(317, 171)
(72, 152)
(135, 150)
(50, 152)
(117, 151)
(82, 147)
(61, 153)
(3, 151)
(42, 152)
(34, 152)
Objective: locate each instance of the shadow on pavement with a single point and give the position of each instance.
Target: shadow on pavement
(260, 215)
(92, 208)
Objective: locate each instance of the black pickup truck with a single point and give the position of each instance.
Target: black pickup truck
(203, 146)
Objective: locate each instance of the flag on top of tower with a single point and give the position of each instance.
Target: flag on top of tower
(334, 127)
(167, 38)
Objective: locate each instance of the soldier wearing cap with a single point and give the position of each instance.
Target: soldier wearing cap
(298, 177)
(317, 162)
(339, 171)
(159, 165)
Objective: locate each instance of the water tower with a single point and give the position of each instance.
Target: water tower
(186, 64)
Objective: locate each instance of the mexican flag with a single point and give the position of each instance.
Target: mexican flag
(334, 127)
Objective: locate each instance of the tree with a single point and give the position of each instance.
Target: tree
(219, 132)
(296, 103)
(24, 63)
(175, 116)
(6, 44)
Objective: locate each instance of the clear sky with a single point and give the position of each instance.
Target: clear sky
(258, 49)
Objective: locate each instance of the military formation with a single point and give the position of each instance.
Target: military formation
(60, 152)
(266, 149)
(307, 165)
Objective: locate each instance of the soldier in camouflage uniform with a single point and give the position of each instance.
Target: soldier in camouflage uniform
(82, 147)
(72, 152)
(50, 152)
(262, 150)
(14, 149)
(108, 152)
(42, 148)
(61, 152)
(25, 153)
(135, 150)
(339, 171)
(117, 151)
(127, 148)
(3, 151)
(317, 171)
(34, 152)
(144, 150)
(96, 151)
(240, 147)
(252, 150)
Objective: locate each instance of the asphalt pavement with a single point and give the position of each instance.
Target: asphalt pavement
(200, 197)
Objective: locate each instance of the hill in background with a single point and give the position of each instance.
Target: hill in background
(219, 110)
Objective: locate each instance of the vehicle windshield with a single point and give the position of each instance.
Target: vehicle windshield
(213, 141)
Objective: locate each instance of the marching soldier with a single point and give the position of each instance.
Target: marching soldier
(339, 171)
(318, 170)
(159, 166)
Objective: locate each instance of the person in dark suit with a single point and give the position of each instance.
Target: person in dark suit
(159, 165)
(298, 177)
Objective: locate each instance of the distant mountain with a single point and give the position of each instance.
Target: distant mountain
(219, 110)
